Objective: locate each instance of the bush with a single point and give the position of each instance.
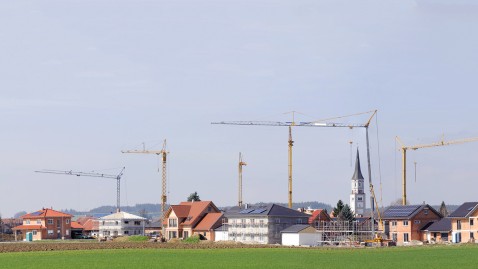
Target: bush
(192, 240)
(137, 238)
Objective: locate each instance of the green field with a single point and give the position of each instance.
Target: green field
(397, 257)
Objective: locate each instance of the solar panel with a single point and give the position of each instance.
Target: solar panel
(401, 211)
(258, 211)
(246, 211)
(38, 213)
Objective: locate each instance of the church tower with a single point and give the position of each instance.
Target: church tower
(357, 197)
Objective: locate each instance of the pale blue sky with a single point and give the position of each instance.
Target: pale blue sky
(82, 80)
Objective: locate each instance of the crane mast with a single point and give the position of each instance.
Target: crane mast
(91, 174)
(241, 164)
(163, 152)
(404, 149)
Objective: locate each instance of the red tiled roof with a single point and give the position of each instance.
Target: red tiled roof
(209, 222)
(181, 211)
(76, 225)
(319, 215)
(91, 225)
(83, 220)
(197, 210)
(29, 227)
(45, 213)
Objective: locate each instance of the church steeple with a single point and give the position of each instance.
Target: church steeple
(357, 197)
(358, 172)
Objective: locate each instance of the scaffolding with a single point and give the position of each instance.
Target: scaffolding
(340, 232)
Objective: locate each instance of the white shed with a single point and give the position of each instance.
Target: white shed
(300, 235)
(221, 233)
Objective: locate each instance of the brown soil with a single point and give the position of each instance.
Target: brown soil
(69, 245)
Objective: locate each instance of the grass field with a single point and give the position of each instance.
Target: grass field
(398, 257)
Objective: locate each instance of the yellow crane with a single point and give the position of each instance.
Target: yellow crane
(290, 142)
(404, 149)
(163, 152)
(241, 164)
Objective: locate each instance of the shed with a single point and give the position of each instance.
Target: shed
(300, 235)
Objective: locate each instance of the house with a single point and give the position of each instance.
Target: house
(403, 223)
(319, 218)
(300, 235)
(205, 228)
(121, 224)
(153, 227)
(182, 221)
(44, 224)
(90, 226)
(439, 231)
(221, 233)
(263, 224)
(464, 224)
(7, 225)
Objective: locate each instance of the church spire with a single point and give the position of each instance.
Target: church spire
(358, 172)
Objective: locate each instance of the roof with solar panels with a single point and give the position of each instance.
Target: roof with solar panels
(464, 210)
(269, 210)
(406, 211)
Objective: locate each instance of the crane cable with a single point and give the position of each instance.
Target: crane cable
(379, 166)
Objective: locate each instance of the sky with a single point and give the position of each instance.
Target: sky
(81, 80)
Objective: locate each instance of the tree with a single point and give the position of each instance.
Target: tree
(194, 197)
(19, 214)
(346, 214)
(444, 210)
(338, 208)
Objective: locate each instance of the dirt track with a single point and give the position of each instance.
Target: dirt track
(55, 246)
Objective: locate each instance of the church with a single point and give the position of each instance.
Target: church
(357, 197)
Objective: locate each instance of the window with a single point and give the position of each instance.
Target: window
(472, 236)
(394, 237)
(58, 223)
(137, 223)
(173, 223)
(458, 224)
(38, 221)
(50, 232)
(126, 232)
(299, 221)
(27, 221)
(261, 223)
(405, 237)
(417, 221)
(425, 211)
(34, 232)
(116, 222)
(359, 198)
(126, 222)
(209, 209)
(67, 232)
(185, 234)
(50, 221)
(394, 223)
(471, 222)
(405, 223)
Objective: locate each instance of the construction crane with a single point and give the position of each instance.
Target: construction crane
(290, 142)
(241, 164)
(404, 149)
(163, 152)
(88, 174)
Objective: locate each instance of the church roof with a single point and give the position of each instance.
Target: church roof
(358, 171)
